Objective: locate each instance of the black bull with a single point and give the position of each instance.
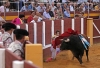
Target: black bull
(76, 46)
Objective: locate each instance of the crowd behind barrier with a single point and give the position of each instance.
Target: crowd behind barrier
(55, 9)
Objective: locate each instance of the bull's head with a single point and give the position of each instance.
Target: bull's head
(65, 44)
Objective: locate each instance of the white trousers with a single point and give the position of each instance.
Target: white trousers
(54, 52)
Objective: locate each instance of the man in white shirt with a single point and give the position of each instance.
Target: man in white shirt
(53, 7)
(3, 7)
(71, 7)
(46, 14)
(41, 8)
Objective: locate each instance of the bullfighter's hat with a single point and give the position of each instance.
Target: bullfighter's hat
(8, 26)
(21, 32)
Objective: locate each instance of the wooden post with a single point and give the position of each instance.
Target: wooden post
(34, 53)
(90, 29)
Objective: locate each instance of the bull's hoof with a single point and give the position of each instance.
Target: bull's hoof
(83, 65)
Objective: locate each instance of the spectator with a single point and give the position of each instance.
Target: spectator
(67, 13)
(82, 8)
(71, 7)
(31, 7)
(1, 19)
(21, 4)
(53, 7)
(55, 13)
(64, 7)
(82, 15)
(60, 14)
(97, 7)
(37, 18)
(51, 12)
(3, 8)
(91, 7)
(6, 37)
(58, 6)
(31, 17)
(86, 5)
(47, 5)
(41, 8)
(19, 20)
(24, 8)
(46, 14)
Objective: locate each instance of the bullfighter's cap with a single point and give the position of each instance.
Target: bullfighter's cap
(21, 32)
(9, 26)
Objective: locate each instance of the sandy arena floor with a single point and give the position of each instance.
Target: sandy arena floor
(64, 59)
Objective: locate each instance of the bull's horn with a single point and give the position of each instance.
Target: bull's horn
(67, 40)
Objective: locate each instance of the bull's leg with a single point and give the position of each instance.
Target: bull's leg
(73, 55)
(87, 55)
(79, 58)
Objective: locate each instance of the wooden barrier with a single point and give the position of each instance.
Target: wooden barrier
(67, 23)
(57, 25)
(31, 32)
(78, 25)
(96, 31)
(29, 65)
(34, 53)
(9, 58)
(39, 32)
(48, 31)
(90, 29)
